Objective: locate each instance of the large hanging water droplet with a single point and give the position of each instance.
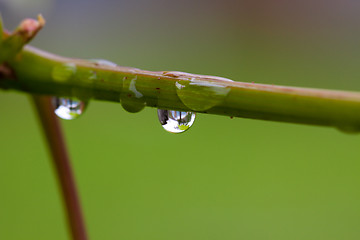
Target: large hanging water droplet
(176, 121)
(68, 108)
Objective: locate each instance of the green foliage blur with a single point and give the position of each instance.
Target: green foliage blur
(224, 178)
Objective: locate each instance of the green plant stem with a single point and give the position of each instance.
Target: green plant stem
(44, 73)
(61, 160)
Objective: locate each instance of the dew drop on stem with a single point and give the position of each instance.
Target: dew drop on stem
(200, 95)
(68, 108)
(349, 129)
(131, 99)
(175, 121)
(63, 72)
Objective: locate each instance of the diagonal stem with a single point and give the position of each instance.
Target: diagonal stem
(56, 143)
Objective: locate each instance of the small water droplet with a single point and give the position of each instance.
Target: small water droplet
(130, 98)
(68, 108)
(92, 75)
(350, 129)
(176, 121)
(200, 95)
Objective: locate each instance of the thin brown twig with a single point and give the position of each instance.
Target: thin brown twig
(56, 143)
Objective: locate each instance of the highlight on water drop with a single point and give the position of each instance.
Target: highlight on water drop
(176, 121)
(104, 62)
(68, 108)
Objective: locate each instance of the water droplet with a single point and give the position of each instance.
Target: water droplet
(350, 129)
(103, 62)
(63, 72)
(68, 108)
(176, 121)
(200, 95)
(130, 98)
(92, 75)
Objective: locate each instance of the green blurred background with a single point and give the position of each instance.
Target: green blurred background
(224, 178)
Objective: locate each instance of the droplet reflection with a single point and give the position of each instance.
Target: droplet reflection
(68, 108)
(176, 121)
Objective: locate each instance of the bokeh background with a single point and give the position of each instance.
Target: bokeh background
(224, 178)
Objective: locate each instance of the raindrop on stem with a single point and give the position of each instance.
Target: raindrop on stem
(175, 121)
(68, 108)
